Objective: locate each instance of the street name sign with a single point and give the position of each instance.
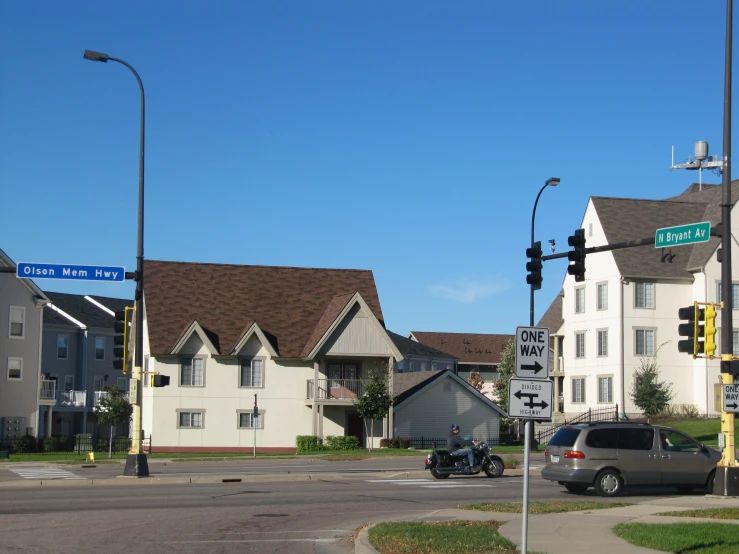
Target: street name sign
(532, 352)
(683, 234)
(530, 398)
(731, 398)
(71, 272)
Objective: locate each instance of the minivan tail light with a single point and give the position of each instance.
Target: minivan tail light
(576, 454)
(546, 452)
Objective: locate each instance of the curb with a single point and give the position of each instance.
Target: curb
(362, 544)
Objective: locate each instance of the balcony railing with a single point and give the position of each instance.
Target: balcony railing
(47, 390)
(100, 394)
(73, 398)
(335, 389)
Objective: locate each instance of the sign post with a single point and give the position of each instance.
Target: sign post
(254, 423)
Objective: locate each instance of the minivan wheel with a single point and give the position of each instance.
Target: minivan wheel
(709, 483)
(576, 489)
(609, 483)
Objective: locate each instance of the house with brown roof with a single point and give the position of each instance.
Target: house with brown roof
(625, 312)
(298, 342)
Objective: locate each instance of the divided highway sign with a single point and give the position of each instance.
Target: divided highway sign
(532, 352)
(530, 398)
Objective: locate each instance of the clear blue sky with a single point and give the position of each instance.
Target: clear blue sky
(409, 138)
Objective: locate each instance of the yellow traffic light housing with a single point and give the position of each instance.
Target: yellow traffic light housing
(709, 331)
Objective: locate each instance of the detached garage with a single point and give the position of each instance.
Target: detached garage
(428, 403)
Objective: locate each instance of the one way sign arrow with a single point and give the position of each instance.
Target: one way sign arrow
(536, 367)
(734, 405)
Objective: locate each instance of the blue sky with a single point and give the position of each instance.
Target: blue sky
(409, 138)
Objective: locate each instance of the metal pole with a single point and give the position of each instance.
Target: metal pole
(533, 217)
(728, 458)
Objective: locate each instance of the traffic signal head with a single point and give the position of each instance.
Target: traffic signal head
(692, 330)
(709, 331)
(577, 255)
(159, 380)
(533, 266)
(120, 340)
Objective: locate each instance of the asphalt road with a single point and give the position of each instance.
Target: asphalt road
(299, 517)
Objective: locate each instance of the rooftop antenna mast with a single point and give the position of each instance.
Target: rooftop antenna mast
(702, 160)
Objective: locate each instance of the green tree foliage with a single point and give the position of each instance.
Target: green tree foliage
(475, 380)
(113, 409)
(507, 369)
(649, 393)
(375, 402)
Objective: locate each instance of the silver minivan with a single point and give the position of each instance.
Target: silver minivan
(609, 456)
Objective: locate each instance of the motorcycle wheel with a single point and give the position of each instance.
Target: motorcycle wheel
(494, 468)
(438, 475)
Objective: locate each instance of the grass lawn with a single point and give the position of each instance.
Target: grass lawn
(544, 507)
(703, 538)
(711, 513)
(705, 430)
(452, 537)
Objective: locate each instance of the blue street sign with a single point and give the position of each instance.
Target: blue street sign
(73, 272)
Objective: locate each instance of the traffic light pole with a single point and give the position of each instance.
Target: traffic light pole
(727, 472)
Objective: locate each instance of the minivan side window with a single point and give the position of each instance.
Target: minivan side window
(635, 439)
(673, 441)
(602, 438)
(564, 437)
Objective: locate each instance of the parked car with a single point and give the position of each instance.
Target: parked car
(610, 456)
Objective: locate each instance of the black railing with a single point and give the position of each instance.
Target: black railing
(606, 413)
(425, 443)
(77, 444)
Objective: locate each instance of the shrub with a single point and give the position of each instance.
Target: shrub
(510, 463)
(342, 443)
(121, 444)
(49, 444)
(396, 442)
(669, 411)
(689, 410)
(101, 445)
(24, 445)
(308, 443)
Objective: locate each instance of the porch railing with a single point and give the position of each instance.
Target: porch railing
(73, 398)
(100, 394)
(47, 390)
(334, 389)
(605, 413)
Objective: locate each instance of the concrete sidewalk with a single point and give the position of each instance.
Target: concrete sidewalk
(576, 532)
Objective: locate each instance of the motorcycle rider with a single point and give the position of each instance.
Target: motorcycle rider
(457, 446)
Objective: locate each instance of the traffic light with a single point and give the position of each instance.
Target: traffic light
(577, 256)
(160, 380)
(692, 330)
(120, 340)
(534, 266)
(709, 330)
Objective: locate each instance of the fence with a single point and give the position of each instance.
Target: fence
(77, 444)
(607, 413)
(425, 443)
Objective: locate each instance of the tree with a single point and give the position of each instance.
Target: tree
(476, 380)
(375, 401)
(506, 369)
(113, 409)
(648, 393)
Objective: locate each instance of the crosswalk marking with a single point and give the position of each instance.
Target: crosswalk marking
(430, 483)
(45, 473)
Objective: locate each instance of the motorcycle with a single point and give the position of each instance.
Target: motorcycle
(442, 463)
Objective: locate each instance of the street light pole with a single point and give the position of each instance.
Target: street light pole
(136, 463)
(552, 182)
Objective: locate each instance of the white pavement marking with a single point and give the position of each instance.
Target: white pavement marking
(45, 473)
(429, 483)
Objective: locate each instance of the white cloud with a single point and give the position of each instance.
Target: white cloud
(467, 291)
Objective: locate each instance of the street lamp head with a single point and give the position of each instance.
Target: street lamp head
(553, 182)
(96, 56)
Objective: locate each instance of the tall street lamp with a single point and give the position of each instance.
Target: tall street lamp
(136, 463)
(552, 182)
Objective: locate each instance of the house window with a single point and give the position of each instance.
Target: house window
(734, 295)
(580, 300)
(190, 420)
(602, 296)
(62, 347)
(99, 348)
(578, 390)
(122, 383)
(248, 421)
(413, 366)
(17, 322)
(191, 372)
(68, 382)
(645, 342)
(644, 295)
(603, 342)
(605, 389)
(252, 373)
(580, 345)
(97, 383)
(399, 366)
(15, 369)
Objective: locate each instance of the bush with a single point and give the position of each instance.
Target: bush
(308, 443)
(49, 444)
(121, 444)
(101, 445)
(23, 445)
(396, 442)
(689, 411)
(510, 463)
(342, 443)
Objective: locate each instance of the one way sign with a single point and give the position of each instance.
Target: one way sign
(532, 352)
(731, 398)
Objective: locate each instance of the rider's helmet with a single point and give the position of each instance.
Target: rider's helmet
(455, 427)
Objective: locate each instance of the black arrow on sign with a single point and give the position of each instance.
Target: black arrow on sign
(734, 405)
(532, 404)
(518, 394)
(536, 367)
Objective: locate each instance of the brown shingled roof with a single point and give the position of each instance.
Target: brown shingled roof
(468, 347)
(288, 303)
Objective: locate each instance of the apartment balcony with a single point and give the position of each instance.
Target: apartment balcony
(100, 394)
(334, 391)
(47, 393)
(72, 399)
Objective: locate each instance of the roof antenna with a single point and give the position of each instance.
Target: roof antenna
(551, 244)
(702, 160)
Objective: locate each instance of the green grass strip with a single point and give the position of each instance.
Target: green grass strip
(710, 513)
(682, 538)
(544, 507)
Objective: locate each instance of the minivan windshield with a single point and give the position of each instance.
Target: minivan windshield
(566, 436)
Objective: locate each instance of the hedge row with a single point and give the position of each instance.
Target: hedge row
(310, 443)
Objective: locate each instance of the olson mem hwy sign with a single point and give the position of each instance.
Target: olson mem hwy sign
(74, 272)
(683, 234)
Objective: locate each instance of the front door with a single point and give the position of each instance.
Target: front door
(683, 462)
(355, 428)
